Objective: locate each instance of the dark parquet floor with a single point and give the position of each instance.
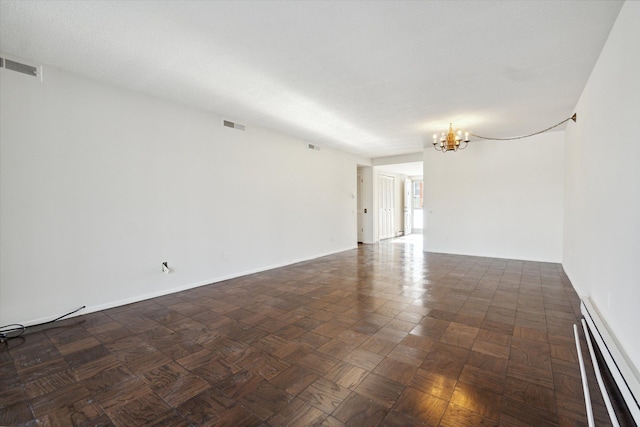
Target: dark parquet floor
(383, 335)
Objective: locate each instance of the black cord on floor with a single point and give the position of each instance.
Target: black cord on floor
(7, 330)
(15, 330)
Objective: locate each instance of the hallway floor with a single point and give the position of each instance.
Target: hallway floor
(380, 335)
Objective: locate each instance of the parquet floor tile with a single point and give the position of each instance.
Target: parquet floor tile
(382, 335)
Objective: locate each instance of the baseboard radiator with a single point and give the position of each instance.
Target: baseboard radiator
(623, 372)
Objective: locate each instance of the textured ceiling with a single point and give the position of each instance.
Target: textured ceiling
(372, 78)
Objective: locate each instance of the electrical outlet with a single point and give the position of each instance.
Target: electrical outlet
(225, 255)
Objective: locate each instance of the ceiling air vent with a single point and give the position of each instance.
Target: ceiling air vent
(21, 68)
(232, 125)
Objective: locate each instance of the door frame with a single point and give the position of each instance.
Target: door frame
(359, 209)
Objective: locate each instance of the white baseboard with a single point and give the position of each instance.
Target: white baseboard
(138, 298)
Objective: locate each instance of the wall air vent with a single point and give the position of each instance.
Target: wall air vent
(232, 125)
(21, 68)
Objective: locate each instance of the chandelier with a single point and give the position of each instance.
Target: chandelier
(450, 141)
(453, 141)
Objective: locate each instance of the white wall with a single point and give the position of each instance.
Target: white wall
(602, 206)
(496, 198)
(99, 186)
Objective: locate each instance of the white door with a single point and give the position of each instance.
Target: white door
(418, 202)
(386, 207)
(408, 219)
(359, 207)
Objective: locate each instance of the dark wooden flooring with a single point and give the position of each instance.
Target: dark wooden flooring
(380, 335)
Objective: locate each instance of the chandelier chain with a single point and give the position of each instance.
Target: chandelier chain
(525, 136)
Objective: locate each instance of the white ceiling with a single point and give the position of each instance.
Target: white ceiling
(372, 78)
(409, 169)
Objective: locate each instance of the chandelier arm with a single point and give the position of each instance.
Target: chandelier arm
(525, 136)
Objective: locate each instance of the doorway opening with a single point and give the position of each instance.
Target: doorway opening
(398, 212)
